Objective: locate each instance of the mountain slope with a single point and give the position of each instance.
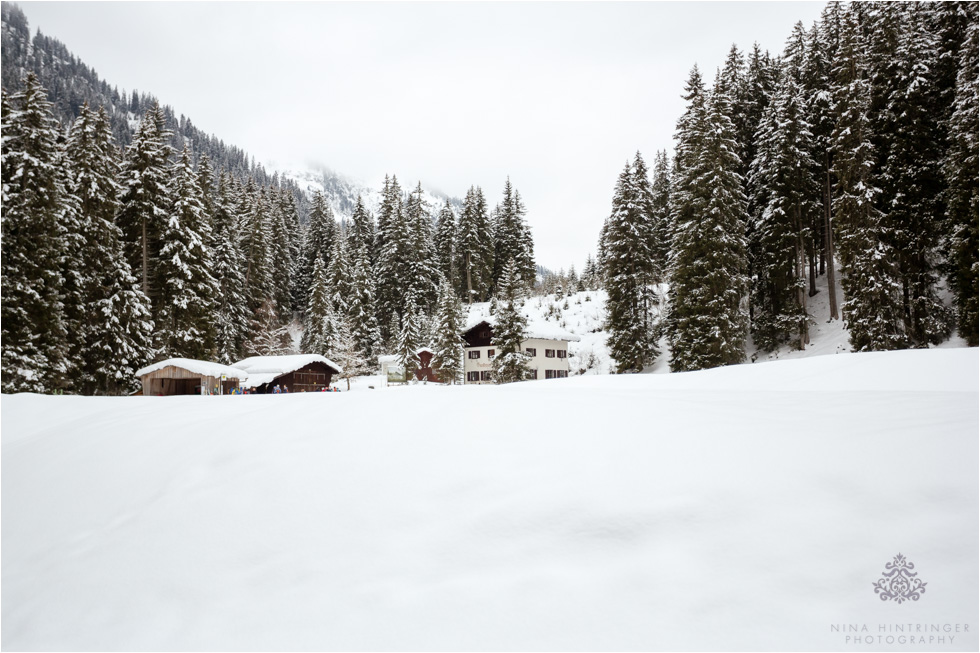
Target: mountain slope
(342, 192)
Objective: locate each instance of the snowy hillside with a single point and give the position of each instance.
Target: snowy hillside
(743, 508)
(342, 192)
(583, 314)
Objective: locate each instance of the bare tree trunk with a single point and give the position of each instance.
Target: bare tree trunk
(831, 273)
(801, 274)
(813, 267)
(146, 263)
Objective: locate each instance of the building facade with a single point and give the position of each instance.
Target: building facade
(295, 373)
(548, 354)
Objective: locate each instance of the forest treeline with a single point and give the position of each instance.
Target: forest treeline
(115, 258)
(855, 151)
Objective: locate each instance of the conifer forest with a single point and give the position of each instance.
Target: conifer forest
(130, 236)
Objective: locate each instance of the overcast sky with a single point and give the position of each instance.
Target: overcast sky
(556, 95)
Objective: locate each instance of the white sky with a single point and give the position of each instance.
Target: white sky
(557, 95)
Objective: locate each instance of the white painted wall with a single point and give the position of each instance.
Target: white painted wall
(539, 362)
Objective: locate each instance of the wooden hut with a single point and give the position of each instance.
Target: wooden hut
(425, 371)
(186, 376)
(296, 373)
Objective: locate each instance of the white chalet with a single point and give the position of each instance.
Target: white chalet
(548, 352)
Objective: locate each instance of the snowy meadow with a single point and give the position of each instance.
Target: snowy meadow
(705, 510)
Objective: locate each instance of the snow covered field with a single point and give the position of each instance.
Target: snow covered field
(750, 507)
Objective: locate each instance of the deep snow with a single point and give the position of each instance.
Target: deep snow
(750, 507)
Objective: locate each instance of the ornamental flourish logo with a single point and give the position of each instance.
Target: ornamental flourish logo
(898, 582)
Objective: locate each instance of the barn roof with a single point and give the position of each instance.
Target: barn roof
(263, 369)
(204, 368)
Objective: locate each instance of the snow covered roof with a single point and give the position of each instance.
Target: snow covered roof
(388, 358)
(419, 351)
(204, 368)
(534, 329)
(263, 369)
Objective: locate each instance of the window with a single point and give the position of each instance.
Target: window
(531, 351)
(491, 353)
(555, 374)
(534, 374)
(485, 376)
(485, 333)
(562, 353)
(549, 353)
(474, 353)
(549, 374)
(472, 376)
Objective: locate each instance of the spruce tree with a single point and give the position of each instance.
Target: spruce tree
(629, 273)
(205, 181)
(280, 252)
(256, 239)
(824, 44)
(187, 291)
(912, 182)
(113, 333)
(410, 338)
(512, 237)
(317, 242)
(293, 244)
(474, 248)
(339, 277)
(145, 200)
(322, 329)
(448, 342)
(361, 232)
(231, 309)
(708, 280)
(510, 329)
(960, 167)
(361, 307)
(660, 231)
(872, 306)
(445, 243)
(34, 338)
(785, 190)
(392, 244)
(423, 275)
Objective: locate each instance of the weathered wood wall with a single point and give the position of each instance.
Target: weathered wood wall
(172, 380)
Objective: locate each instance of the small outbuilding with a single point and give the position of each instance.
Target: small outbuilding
(425, 371)
(392, 371)
(187, 376)
(295, 373)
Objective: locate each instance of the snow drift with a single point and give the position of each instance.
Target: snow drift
(750, 507)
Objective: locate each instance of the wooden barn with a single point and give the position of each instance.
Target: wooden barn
(186, 376)
(295, 373)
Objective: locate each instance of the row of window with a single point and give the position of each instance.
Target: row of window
(473, 377)
(530, 351)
